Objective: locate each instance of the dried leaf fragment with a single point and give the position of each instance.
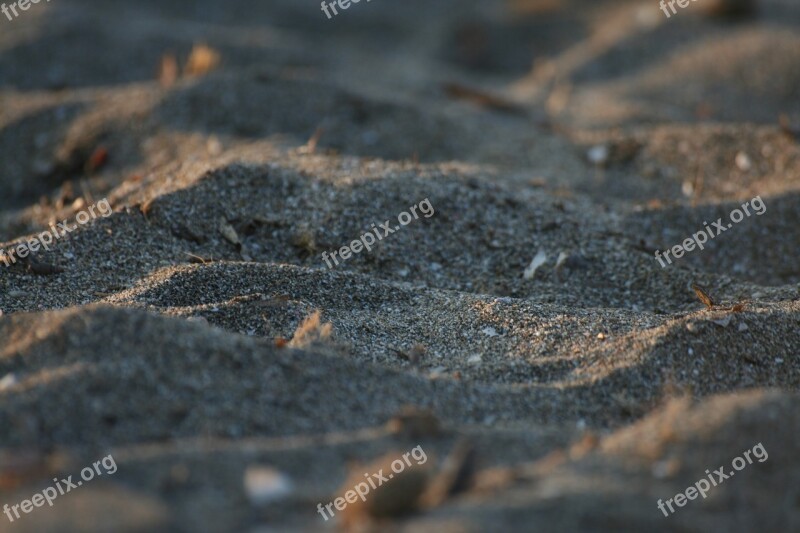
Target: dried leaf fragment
(146, 206)
(311, 146)
(196, 259)
(703, 296)
(202, 60)
(97, 160)
(311, 330)
(787, 128)
(482, 98)
(168, 71)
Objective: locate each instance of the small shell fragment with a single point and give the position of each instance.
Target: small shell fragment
(539, 260)
(227, 231)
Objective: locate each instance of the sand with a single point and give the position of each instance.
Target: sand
(198, 336)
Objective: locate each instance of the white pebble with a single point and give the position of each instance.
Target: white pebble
(8, 381)
(743, 162)
(264, 484)
(598, 155)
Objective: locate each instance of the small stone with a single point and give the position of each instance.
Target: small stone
(213, 146)
(598, 155)
(601, 336)
(263, 484)
(743, 326)
(475, 359)
(227, 231)
(577, 262)
(743, 162)
(8, 381)
(723, 322)
(490, 331)
(437, 372)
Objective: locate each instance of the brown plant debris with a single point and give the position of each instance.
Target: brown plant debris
(311, 331)
(202, 60)
(703, 296)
